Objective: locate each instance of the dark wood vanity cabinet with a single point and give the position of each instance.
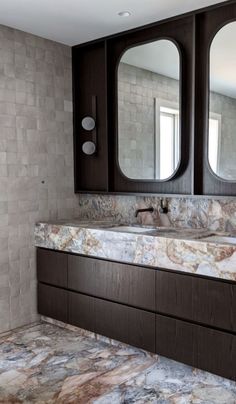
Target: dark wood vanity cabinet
(121, 283)
(198, 346)
(53, 302)
(189, 318)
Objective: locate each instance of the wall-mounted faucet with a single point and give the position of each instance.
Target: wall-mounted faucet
(164, 206)
(151, 209)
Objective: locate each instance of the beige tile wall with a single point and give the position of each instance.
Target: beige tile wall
(36, 162)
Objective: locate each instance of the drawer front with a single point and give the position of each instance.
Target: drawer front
(197, 299)
(125, 324)
(81, 312)
(201, 347)
(52, 302)
(132, 326)
(52, 267)
(128, 284)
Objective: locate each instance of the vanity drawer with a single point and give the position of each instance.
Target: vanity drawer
(52, 267)
(197, 299)
(81, 311)
(52, 302)
(126, 324)
(201, 347)
(122, 323)
(128, 284)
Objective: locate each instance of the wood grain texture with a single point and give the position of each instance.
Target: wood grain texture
(127, 284)
(201, 347)
(81, 311)
(52, 302)
(89, 79)
(181, 33)
(126, 324)
(52, 267)
(207, 25)
(197, 299)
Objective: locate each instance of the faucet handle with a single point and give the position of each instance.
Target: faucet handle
(163, 206)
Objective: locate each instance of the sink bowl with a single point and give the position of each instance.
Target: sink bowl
(142, 229)
(221, 239)
(132, 229)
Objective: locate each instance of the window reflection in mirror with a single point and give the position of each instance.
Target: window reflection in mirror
(149, 111)
(222, 104)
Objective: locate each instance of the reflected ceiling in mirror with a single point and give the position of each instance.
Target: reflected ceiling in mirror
(149, 111)
(222, 104)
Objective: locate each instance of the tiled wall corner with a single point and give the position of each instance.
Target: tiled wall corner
(36, 161)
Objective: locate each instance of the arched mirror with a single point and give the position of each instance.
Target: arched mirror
(222, 104)
(149, 111)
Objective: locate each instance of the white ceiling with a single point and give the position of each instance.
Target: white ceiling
(76, 21)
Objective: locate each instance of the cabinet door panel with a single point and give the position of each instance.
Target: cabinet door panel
(52, 267)
(89, 80)
(81, 311)
(197, 299)
(132, 326)
(52, 302)
(114, 281)
(201, 347)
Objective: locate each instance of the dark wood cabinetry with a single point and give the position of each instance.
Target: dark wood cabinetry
(53, 302)
(52, 267)
(126, 324)
(197, 346)
(95, 68)
(127, 284)
(201, 300)
(208, 24)
(180, 32)
(90, 99)
(185, 317)
(81, 311)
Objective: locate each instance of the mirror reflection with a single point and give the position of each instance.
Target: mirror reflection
(222, 105)
(149, 111)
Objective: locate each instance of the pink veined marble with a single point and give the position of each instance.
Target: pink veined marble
(47, 364)
(183, 251)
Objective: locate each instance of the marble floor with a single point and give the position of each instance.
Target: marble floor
(44, 363)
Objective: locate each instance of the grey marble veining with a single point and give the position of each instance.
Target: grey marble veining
(44, 363)
(184, 253)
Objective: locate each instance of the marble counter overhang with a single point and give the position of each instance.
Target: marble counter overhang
(182, 253)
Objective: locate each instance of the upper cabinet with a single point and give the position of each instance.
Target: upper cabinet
(155, 107)
(215, 94)
(150, 76)
(90, 118)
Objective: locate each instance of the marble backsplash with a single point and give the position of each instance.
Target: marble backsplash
(215, 214)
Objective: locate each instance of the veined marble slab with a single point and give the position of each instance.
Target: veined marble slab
(182, 251)
(44, 363)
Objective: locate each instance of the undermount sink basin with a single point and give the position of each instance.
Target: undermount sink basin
(142, 229)
(221, 239)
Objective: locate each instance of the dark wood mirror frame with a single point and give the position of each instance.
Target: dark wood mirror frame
(95, 74)
(181, 34)
(208, 24)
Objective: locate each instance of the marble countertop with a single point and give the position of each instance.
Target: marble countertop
(186, 250)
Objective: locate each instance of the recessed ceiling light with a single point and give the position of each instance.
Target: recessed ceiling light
(124, 14)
